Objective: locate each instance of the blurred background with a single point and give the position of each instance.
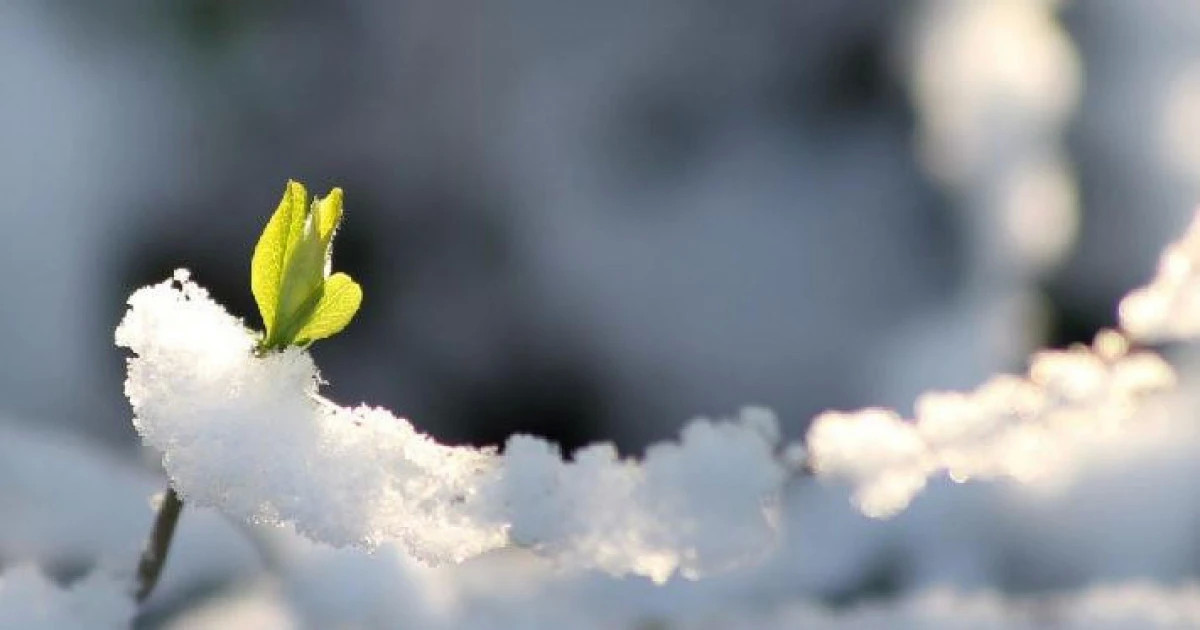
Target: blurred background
(597, 220)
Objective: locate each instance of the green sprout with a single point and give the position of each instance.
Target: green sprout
(297, 297)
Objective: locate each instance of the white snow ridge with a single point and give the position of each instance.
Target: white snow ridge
(252, 437)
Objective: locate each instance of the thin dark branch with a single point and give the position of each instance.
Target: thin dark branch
(154, 556)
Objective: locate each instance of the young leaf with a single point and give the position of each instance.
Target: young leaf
(303, 279)
(270, 253)
(329, 214)
(289, 275)
(337, 307)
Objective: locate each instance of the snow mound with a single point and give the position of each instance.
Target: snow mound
(252, 437)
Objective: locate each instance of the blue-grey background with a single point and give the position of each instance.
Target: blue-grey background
(586, 220)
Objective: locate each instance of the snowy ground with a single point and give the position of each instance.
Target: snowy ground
(721, 529)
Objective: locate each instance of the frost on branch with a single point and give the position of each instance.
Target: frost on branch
(1169, 307)
(253, 438)
(1024, 428)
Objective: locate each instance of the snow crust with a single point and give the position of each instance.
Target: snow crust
(253, 437)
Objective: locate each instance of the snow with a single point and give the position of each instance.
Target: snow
(30, 601)
(253, 437)
(1129, 607)
(478, 604)
(1102, 451)
(1106, 523)
(258, 607)
(519, 533)
(1168, 308)
(1095, 437)
(1026, 428)
(995, 83)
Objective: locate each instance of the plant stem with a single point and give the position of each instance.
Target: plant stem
(154, 556)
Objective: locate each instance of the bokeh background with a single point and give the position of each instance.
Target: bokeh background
(596, 220)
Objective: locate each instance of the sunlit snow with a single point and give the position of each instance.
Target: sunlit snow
(253, 437)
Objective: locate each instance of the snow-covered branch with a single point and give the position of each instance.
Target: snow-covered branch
(1024, 428)
(253, 437)
(1168, 308)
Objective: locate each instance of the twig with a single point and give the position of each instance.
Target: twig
(154, 556)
